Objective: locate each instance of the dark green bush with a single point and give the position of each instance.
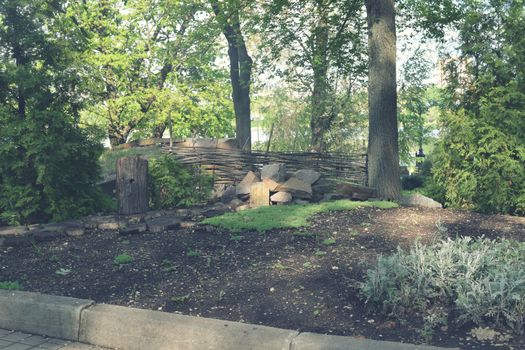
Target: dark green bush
(172, 185)
(464, 280)
(480, 165)
(48, 170)
(411, 182)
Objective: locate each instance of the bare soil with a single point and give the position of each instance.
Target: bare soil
(288, 278)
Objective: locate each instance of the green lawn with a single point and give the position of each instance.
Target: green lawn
(283, 216)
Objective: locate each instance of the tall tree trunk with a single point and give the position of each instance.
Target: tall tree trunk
(383, 153)
(321, 116)
(240, 74)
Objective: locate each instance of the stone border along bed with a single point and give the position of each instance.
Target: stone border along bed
(126, 328)
(152, 221)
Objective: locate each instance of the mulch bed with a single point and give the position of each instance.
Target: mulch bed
(284, 278)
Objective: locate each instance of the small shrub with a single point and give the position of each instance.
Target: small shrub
(467, 280)
(173, 185)
(10, 285)
(123, 259)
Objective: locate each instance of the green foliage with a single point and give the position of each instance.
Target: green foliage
(108, 158)
(48, 165)
(10, 285)
(465, 280)
(480, 162)
(267, 218)
(172, 185)
(122, 259)
(411, 182)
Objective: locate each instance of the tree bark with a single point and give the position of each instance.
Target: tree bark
(240, 74)
(383, 153)
(132, 187)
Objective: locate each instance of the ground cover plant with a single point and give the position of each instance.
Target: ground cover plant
(307, 278)
(451, 283)
(267, 218)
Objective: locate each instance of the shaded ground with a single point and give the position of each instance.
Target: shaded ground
(291, 278)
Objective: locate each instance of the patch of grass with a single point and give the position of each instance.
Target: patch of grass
(10, 285)
(193, 253)
(122, 259)
(320, 253)
(236, 238)
(180, 298)
(267, 218)
(329, 241)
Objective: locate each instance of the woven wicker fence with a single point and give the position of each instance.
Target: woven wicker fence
(228, 165)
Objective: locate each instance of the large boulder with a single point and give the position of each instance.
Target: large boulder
(245, 185)
(418, 200)
(297, 188)
(281, 197)
(275, 172)
(272, 185)
(229, 194)
(307, 175)
(259, 195)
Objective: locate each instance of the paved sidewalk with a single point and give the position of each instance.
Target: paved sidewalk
(11, 340)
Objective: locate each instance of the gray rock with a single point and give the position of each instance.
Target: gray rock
(245, 185)
(275, 172)
(242, 207)
(332, 197)
(229, 194)
(307, 175)
(300, 201)
(297, 188)
(163, 224)
(418, 200)
(133, 229)
(235, 203)
(281, 197)
(272, 185)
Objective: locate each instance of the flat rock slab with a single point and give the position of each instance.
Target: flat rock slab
(259, 195)
(50, 315)
(275, 172)
(133, 229)
(133, 329)
(307, 175)
(419, 200)
(163, 224)
(297, 188)
(281, 197)
(244, 186)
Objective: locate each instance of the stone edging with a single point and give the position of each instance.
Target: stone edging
(152, 221)
(135, 329)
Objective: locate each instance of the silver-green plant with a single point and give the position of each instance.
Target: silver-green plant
(474, 280)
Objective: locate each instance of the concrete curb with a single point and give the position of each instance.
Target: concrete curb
(50, 315)
(135, 329)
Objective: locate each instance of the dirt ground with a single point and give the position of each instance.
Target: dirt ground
(289, 278)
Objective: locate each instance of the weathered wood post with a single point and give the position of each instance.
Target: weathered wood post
(132, 186)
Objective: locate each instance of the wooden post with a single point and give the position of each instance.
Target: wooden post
(259, 195)
(132, 186)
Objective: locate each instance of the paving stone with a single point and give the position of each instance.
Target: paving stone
(18, 346)
(4, 343)
(16, 336)
(4, 332)
(33, 340)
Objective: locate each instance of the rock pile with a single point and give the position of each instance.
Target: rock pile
(274, 186)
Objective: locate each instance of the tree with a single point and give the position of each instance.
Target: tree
(317, 45)
(48, 165)
(481, 156)
(383, 153)
(149, 64)
(228, 17)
